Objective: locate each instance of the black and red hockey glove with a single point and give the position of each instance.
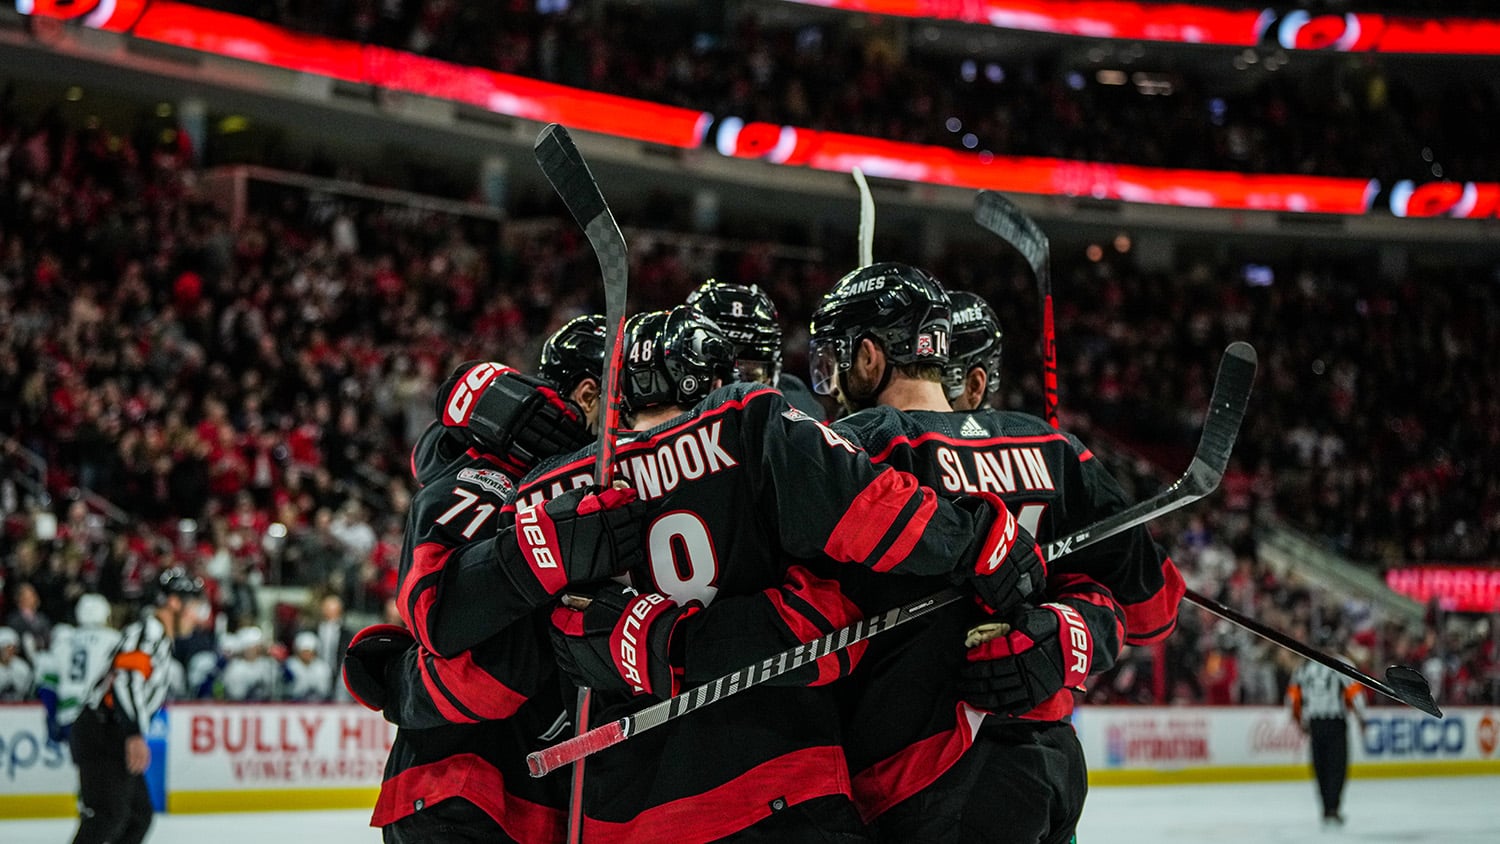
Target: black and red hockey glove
(366, 659)
(1033, 667)
(583, 535)
(621, 640)
(517, 419)
(1007, 568)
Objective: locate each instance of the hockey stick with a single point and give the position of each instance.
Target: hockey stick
(1402, 684)
(1226, 410)
(1001, 216)
(866, 220)
(570, 176)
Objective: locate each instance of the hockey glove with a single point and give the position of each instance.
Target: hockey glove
(580, 536)
(1008, 569)
(515, 418)
(621, 640)
(57, 732)
(365, 662)
(1031, 669)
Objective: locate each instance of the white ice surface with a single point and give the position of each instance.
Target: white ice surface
(1461, 810)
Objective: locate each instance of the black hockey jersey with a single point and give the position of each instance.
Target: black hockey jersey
(480, 689)
(736, 489)
(907, 721)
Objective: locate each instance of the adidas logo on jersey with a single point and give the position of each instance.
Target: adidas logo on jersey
(972, 428)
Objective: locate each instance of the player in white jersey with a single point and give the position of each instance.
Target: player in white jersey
(304, 677)
(76, 661)
(1321, 700)
(109, 738)
(252, 675)
(15, 672)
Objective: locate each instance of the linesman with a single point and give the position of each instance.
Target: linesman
(109, 738)
(1321, 701)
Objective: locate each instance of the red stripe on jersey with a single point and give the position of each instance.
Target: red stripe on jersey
(837, 610)
(871, 516)
(475, 688)
(624, 450)
(475, 780)
(914, 767)
(794, 778)
(427, 558)
(1059, 707)
(1076, 586)
(910, 533)
(445, 707)
(1154, 619)
(934, 436)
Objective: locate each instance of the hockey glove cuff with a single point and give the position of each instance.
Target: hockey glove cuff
(366, 659)
(1008, 569)
(583, 535)
(1031, 668)
(517, 419)
(621, 640)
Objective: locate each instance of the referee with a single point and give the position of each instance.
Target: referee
(108, 740)
(1321, 701)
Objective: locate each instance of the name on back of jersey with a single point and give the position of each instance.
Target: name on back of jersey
(656, 472)
(997, 470)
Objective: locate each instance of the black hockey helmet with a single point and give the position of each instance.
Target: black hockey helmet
(749, 319)
(176, 581)
(673, 357)
(573, 353)
(975, 343)
(902, 308)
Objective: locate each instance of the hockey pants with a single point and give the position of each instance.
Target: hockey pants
(1023, 782)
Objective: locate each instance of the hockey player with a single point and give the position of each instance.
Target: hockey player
(15, 673)
(78, 658)
(108, 740)
(305, 677)
(738, 483)
(749, 319)
(972, 375)
(934, 731)
(477, 690)
(251, 675)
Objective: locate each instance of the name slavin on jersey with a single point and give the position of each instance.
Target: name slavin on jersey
(998, 471)
(689, 455)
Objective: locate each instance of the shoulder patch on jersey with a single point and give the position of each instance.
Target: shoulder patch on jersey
(972, 428)
(491, 480)
(796, 415)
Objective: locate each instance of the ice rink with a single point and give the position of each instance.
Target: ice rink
(1417, 811)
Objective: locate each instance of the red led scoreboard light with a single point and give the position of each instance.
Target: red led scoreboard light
(225, 34)
(1456, 588)
(1191, 24)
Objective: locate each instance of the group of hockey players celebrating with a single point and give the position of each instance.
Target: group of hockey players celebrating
(741, 523)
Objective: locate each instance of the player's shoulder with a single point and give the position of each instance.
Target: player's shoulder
(740, 395)
(874, 425)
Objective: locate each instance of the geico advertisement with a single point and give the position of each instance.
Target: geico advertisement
(261, 746)
(29, 762)
(1167, 738)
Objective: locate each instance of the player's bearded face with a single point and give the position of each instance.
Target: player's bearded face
(855, 386)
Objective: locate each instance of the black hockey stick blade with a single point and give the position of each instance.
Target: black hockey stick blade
(1221, 427)
(574, 182)
(1402, 684)
(1002, 217)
